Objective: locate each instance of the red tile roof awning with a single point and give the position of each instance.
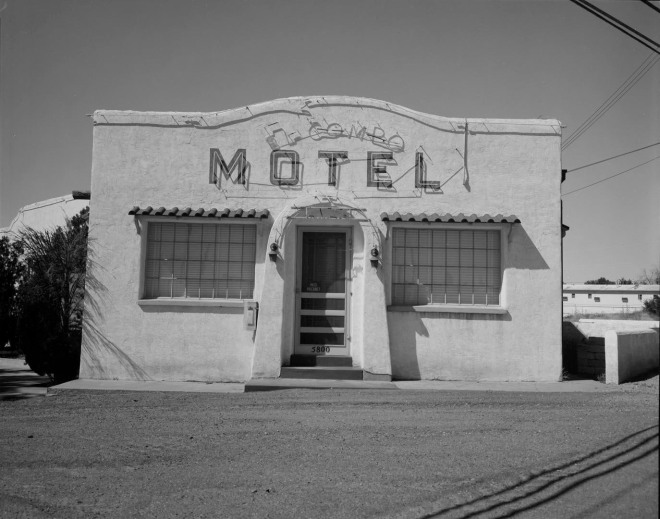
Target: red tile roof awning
(206, 213)
(448, 218)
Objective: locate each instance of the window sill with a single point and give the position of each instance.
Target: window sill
(228, 303)
(450, 309)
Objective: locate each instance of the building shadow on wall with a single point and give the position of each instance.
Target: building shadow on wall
(407, 356)
(95, 345)
(524, 255)
(181, 309)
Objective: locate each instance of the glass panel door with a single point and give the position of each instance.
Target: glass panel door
(321, 302)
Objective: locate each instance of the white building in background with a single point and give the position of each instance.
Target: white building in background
(232, 245)
(606, 299)
(47, 214)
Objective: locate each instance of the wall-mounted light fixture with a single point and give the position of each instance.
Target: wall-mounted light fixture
(374, 257)
(272, 253)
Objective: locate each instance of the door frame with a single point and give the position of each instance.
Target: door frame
(347, 230)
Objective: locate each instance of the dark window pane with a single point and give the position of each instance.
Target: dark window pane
(322, 304)
(323, 321)
(324, 262)
(332, 339)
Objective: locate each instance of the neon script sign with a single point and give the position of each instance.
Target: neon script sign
(286, 168)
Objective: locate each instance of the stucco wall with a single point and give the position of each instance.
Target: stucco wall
(162, 159)
(523, 343)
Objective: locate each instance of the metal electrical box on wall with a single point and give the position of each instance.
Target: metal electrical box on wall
(250, 314)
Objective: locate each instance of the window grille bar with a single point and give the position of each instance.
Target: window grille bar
(226, 259)
(453, 266)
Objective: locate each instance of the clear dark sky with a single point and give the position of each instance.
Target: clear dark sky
(63, 59)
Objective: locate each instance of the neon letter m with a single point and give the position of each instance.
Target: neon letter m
(239, 161)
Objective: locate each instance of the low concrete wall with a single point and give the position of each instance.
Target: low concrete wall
(598, 327)
(583, 342)
(630, 353)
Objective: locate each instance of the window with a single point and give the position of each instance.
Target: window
(572, 296)
(597, 299)
(442, 266)
(200, 261)
(565, 298)
(624, 299)
(639, 297)
(589, 296)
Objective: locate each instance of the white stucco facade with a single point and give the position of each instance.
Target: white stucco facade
(352, 167)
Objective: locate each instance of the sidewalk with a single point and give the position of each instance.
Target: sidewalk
(18, 381)
(575, 386)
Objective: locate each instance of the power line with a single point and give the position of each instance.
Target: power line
(616, 20)
(617, 24)
(651, 5)
(627, 85)
(621, 173)
(610, 158)
(630, 82)
(646, 65)
(612, 100)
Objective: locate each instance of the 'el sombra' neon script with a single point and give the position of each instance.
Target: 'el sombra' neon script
(377, 161)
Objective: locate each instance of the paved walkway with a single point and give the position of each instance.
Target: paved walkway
(590, 386)
(17, 381)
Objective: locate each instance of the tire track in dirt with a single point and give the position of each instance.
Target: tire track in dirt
(546, 485)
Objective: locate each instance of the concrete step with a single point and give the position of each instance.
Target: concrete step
(275, 384)
(321, 360)
(322, 372)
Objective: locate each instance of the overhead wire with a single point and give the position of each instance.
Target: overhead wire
(610, 158)
(630, 82)
(617, 24)
(651, 5)
(610, 177)
(616, 20)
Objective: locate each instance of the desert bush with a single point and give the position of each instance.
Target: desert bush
(652, 306)
(11, 270)
(51, 298)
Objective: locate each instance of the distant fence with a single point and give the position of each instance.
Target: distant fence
(574, 309)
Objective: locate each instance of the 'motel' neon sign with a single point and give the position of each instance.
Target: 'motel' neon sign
(377, 162)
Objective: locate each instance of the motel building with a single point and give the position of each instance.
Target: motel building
(340, 233)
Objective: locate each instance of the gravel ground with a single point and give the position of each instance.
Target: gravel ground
(329, 453)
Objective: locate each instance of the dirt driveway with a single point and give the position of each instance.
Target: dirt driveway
(329, 453)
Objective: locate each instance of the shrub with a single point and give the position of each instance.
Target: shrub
(11, 270)
(652, 306)
(51, 298)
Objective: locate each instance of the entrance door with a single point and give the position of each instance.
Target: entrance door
(321, 293)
